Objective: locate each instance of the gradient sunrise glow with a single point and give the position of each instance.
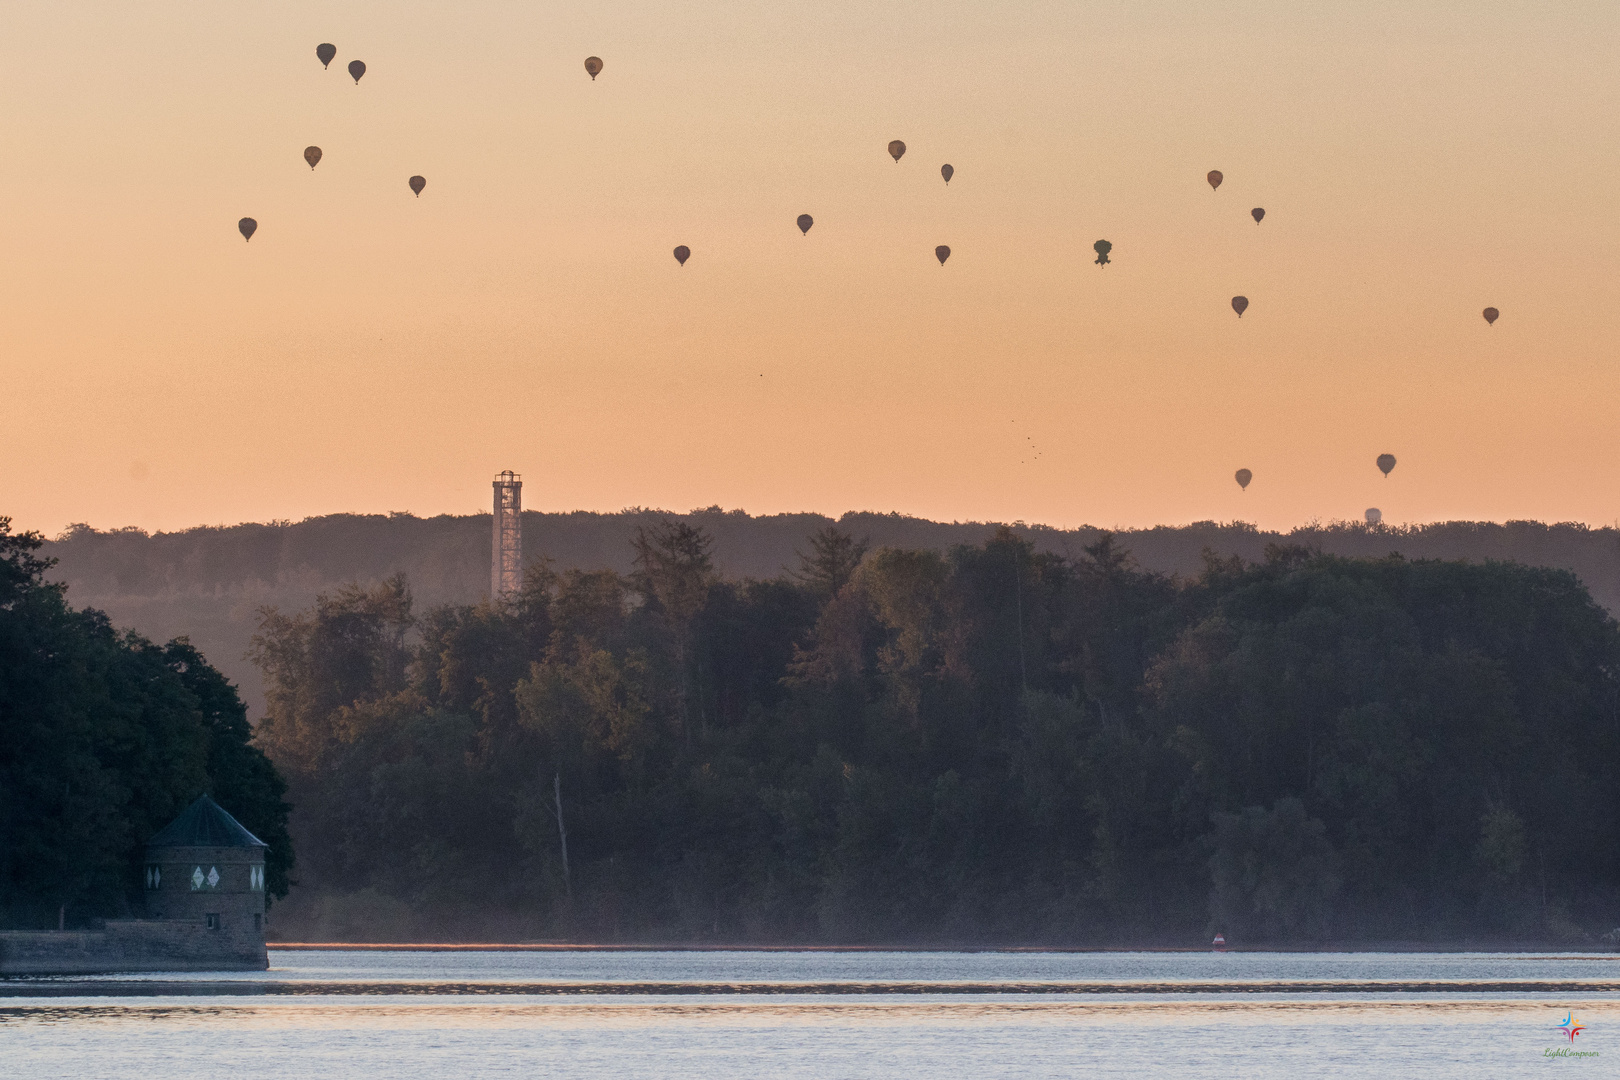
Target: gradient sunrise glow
(371, 351)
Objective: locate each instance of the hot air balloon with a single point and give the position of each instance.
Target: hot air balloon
(1374, 515)
(1214, 178)
(1257, 213)
(947, 172)
(942, 253)
(683, 253)
(897, 150)
(312, 154)
(805, 221)
(357, 68)
(324, 54)
(1240, 304)
(1243, 476)
(1102, 248)
(1491, 315)
(247, 227)
(417, 184)
(1386, 462)
(593, 65)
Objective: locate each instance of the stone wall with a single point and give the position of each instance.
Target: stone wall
(223, 885)
(130, 945)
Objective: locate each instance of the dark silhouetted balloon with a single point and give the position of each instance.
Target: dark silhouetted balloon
(897, 150)
(942, 253)
(1257, 213)
(593, 65)
(324, 54)
(1243, 476)
(1386, 462)
(805, 221)
(247, 227)
(357, 68)
(1102, 248)
(1215, 178)
(1491, 315)
(312, 154)
(683, 253)
(947, 172)
(418, 183)
(1374, 515)
(1240, 304)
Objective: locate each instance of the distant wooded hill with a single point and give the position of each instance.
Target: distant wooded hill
(209, 583)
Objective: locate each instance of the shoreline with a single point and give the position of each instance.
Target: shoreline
(551, 946)
(60, 988)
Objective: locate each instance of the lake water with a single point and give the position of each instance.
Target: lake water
(717, 1015)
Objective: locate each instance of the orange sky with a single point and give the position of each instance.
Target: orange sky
(370, 351)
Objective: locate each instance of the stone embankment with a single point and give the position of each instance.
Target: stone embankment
(129, 945)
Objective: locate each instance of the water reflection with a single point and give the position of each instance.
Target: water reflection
(1452, 1038)
(347, 1018)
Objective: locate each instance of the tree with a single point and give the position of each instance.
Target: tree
(1275, 874)
(673, 572)
(986, 744)
(833, 557)
(240, 777)
(350, 647)
(1400, 702)
(104, 738)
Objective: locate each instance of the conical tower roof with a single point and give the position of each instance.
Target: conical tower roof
(205, 824)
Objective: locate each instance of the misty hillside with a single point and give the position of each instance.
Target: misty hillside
(209, 583)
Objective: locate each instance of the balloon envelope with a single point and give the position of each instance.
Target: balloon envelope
(1374, 515)
(1214, 178)
(312, 154)
(947, 172)
(1243, 476)
(247, 226)
(1386, 462)
(1102, 248)
(942, 253)
(683, 253)
(325, 53)
(357, 68)
(417, 184)
(805, 221)
(1240, 304)
(897, 150)
(1257, 213)
(593, 66)
(1491, 315)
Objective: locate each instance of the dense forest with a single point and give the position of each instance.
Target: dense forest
(992, 743)
(208, 583)
(104, 738)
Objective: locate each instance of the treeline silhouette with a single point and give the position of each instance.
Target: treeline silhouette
(208, 583)
(993, 743)
(104, 738)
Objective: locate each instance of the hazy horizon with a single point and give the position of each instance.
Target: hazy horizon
(65, 529)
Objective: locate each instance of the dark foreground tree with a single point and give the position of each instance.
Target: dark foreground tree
(104, 737)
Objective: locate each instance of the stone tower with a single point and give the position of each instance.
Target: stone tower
(205, 869)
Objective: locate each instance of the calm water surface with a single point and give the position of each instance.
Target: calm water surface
(393, 1014)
